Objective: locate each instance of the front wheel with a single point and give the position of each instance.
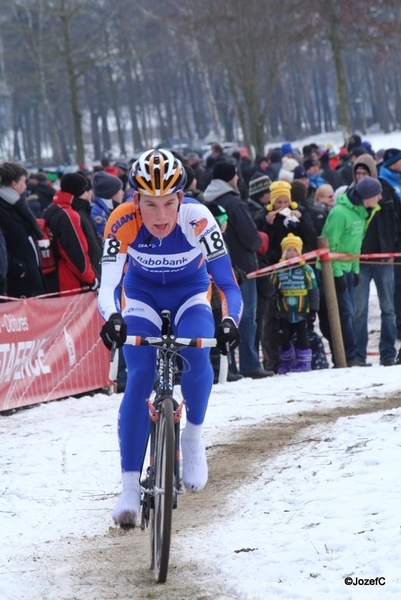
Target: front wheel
(163, 490)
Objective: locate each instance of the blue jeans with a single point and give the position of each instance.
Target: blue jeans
(383, 276)
(346, 308)
(248, 355)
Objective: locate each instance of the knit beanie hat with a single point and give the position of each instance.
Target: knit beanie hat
(120, 164)
(368, 187)
(289, 163)
(259, 184)
(278, 189)
(291, 241)
(310, 162)
(391, 156)
(299, 172)
(224, 170)
(74, 183)
(286, 148)
(106, 186)
(190, 175)
(218, 212)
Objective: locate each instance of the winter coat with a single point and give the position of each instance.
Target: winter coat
(99, 212)
(34, 205)
(345, 228)
(3, 265)
(24, 275)
(74, 268)
(279, 230)
(241, 236)
(95, 246)
(319, 213)
(334, 178)
(345, 169)
(45, 194)
(382, 230)
(389, 193)
(297, 292)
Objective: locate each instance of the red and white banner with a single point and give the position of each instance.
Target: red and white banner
(50, 348)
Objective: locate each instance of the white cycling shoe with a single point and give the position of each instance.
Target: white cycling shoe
(194, 464)
(128, 506)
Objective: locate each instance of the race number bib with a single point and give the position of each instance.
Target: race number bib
(213, 244)
(111, 250)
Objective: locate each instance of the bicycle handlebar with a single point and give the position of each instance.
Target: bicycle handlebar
(171, 342)
(158, 342)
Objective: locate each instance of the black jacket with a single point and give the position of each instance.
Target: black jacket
(384, 231)
(241, 236)
(95, 245)
(277, 231)
(45, 194)
(24, 275)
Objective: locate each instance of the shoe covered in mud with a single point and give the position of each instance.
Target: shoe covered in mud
(126, 511)
(194, 464)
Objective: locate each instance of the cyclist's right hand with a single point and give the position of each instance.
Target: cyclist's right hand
(114, 330)
(227, 335)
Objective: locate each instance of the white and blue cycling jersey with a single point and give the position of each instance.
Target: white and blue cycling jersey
(183, 258)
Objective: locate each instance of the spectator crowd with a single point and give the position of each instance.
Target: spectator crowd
(269, 209)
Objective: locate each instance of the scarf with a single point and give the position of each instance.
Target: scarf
(393, 178)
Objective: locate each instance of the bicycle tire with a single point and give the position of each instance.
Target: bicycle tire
(163, 491)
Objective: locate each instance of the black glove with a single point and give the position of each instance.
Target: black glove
(114, 330)
(356, 279)
(227, 334)
(311, 318)
(340, 283)
(95, 285)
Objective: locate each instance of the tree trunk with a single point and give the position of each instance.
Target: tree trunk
(93, 117)
(114, 100)
(72, 79)
(339, 71)
(132, 103)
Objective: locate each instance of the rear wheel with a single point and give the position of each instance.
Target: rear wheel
(163, 490)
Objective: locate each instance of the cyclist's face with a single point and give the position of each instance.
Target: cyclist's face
(159, 214)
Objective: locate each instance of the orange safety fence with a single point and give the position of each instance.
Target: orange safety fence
(324, 254)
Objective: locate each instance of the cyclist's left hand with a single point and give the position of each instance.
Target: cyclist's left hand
(227, 335)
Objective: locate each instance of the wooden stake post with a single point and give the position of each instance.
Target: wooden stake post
(332, 306)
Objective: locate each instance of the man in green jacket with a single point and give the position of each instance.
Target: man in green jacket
(345, 228)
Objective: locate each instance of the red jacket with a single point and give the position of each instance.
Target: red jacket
(74, 266)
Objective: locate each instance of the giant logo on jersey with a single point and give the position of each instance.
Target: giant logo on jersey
(120, 222)
(199, 226)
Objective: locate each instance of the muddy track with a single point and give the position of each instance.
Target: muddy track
(116, 565)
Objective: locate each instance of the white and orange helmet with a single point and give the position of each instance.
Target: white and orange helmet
(157, 173)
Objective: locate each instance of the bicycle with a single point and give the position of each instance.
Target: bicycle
(161, 485)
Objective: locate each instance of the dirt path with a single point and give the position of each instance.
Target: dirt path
(115, 566)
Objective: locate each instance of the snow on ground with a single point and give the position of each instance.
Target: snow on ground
(316, 515)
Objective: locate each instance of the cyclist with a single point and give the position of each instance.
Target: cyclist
(171, 242)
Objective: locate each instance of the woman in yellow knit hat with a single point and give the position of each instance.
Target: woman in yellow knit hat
(297, 300)
(280, 217)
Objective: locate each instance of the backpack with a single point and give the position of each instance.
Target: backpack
(48, 261)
